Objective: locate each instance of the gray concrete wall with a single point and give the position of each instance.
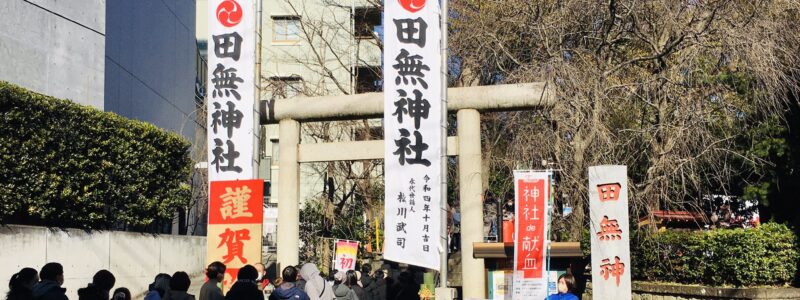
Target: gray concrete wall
(150, 62)
(55, 47)
(133, 258)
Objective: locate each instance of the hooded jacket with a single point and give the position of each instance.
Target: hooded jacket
(379, 292)
(287, 291)
(343, 292)
(49, 290)
(316, 288)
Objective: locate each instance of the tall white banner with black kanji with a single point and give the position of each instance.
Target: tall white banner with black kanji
(610, 232)
(231, 89)
(412, 130)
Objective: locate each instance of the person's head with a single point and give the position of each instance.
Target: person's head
(121, 294)
(104, 280)
(366, 269)
(247, 273)
(339, 278)
(180, 282)
(289, 274)
(352, 278)
(309, 271)
(378, 274)
(261, 269)
(161, 283)
(52, 271)
(216, 271)
(24, 279)
(566, 283)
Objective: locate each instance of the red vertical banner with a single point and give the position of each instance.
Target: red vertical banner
(532, 192)
(235, 213)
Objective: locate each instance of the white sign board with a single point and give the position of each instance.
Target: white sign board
(412, 130)
(610, 232)
(231, 90)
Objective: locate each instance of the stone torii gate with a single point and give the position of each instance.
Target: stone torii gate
(467, 102)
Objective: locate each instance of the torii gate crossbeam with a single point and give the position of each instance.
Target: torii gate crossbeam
(467, 102)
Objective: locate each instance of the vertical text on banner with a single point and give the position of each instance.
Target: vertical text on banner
(532, 193)
(412, 130)
(610, 235)
(231, 89)
(234, 224)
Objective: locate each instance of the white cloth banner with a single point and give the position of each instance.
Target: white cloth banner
(610, 232)
(532, 218)
(412, 131)
(231, 90)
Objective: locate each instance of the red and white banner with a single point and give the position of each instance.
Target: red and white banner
(235, 212)
(531, 193)
(234, 224)
(610, 232)
(413, 132)
(346, 255)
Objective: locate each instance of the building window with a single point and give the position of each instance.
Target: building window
(368, 79)
(366, 20)
(285, 28)
(286, 87)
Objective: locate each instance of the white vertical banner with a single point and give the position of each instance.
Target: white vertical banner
(610, 232)
(412, 130)
(532, 216)
(231, 89)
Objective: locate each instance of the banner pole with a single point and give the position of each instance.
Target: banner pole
(443, 220)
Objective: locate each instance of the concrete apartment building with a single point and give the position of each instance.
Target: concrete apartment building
(316, 48)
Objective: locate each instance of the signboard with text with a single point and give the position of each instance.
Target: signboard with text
(610, 234)
(234, 224)
(346, 255)
(412, 130)
(532, 193)
(231, 89)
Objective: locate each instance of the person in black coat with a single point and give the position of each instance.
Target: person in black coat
(405, 288)
(367, 282)
(20, 287)
(245, 287)
(379, 292)
(49, 288)
(102, 283)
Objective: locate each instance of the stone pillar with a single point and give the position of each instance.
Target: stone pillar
(288, 194)
(473, 272)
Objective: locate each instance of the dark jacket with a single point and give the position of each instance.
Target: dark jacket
(287, 291)
(379, 293)
(178, 295)
(210, 291)
(564, 296)
(92, 292)
(369, 287)
(244, 290)
(362, 295)
(49, 290)
(20, 294)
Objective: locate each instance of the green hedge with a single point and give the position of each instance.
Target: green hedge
(68, 165)
(766, 255)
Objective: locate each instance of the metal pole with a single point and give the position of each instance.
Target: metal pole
(443, 268)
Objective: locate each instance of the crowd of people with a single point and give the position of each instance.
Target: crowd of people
(303, 282)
